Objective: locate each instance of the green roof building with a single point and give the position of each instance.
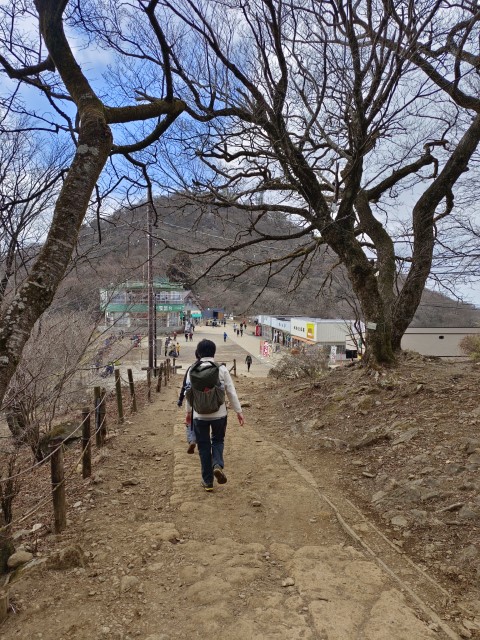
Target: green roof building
(126, 304)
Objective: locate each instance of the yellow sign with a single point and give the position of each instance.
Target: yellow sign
(310, 331)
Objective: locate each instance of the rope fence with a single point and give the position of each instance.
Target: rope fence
(86, 436)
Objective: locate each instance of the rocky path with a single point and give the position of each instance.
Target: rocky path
(262, 557)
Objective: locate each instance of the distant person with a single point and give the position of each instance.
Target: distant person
(210, 427)
(177, 346)
(248, 362)
(108, 370)
(225, 336)
(238, 333)
(241, 331)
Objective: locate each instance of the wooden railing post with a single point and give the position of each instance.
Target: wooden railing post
(96, 401)
(159, 378)
(86, 444)
(149, 385)
(118, 392)
(132, 390)
(58, 486)
(103, 415)
(4, 598)
(100, 416)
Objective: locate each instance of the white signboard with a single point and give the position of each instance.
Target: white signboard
(284, 325)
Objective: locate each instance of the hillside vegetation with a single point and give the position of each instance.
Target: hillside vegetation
(318, 288)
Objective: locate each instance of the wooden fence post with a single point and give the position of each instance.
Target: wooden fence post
(234, 367)
(118, 391)
(149, 385)
(58, 485)
(100, 396)
(132, 390)
(86, 444)
(96, 402)
(103, 415)
(3, 604)
(159, 378)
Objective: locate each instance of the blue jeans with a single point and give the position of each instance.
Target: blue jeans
(190, 433)
(210, 435)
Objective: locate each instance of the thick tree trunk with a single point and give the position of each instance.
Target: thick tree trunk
(373, 290)
(36, 294)
(378, 322)
(95, 143)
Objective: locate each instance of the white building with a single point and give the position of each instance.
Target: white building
(300, 332)
(437, 341)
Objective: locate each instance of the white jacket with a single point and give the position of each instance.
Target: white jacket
(226, 383)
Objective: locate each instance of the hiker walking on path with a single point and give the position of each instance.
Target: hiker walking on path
(206, 385)
(248, 362)
(225, 336)
(167, 342)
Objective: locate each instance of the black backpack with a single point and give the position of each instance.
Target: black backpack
(205, 393)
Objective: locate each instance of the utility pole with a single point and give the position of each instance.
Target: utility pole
(151, 301)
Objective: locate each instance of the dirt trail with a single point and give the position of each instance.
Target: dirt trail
(262, 557)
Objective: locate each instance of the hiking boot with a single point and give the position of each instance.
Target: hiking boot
(219, 474)
(207, 487)
(191, 447)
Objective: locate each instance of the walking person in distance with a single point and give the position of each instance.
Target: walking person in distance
(206, 386)
(248, 362)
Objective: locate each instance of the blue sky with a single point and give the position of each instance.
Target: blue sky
(95, 61)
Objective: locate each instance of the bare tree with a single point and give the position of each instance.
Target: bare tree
(356, 118)
(46, 382)
(9, 488)
(29, 182)
(44, 60)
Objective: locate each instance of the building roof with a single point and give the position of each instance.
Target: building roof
(158, 283)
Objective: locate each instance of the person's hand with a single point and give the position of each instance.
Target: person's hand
(188, 417)
(241, 419)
